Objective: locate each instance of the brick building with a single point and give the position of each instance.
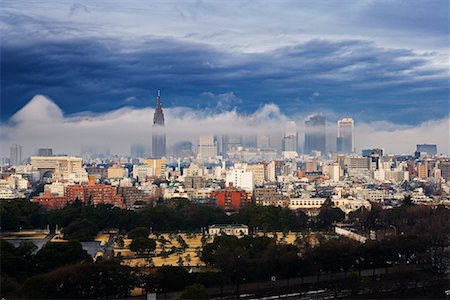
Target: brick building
(91, 193)
(49, 202)
(231, 198)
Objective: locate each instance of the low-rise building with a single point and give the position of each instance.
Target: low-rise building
(228, 229)
(269, 196)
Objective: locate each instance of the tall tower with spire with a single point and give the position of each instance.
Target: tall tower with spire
(158, 130)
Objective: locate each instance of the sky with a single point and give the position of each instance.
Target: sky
(258, 64)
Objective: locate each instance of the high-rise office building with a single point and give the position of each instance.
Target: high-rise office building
(444, 166)
(207, 146)
(315, 134)
(371, 152)
(15, 156)
(183, 149)
(45, 152)
(159, 135)
(430, 149)
(263, 141)
(230, 143)
(139, 150)
(276, 140)
(290, 140)
(345, 136)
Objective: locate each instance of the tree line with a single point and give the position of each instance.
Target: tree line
(82, 222)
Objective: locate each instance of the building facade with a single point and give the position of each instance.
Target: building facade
(315, 134)
(345, 136)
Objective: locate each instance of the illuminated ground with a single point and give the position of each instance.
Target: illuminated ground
(189, 256)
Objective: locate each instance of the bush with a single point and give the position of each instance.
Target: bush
(140, 232)
(195, 291)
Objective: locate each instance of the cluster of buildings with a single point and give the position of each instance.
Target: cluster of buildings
(232, 171)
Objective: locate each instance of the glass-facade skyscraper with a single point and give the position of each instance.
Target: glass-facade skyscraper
(345, 137)
(315, 139)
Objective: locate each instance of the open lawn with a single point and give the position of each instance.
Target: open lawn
(169, 251)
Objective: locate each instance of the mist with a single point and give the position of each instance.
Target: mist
(41, 123)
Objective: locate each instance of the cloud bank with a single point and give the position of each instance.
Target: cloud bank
(41, 123)
(370, 59)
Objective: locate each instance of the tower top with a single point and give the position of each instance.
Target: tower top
(158, 117)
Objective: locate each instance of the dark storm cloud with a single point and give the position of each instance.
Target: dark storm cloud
(349, 77)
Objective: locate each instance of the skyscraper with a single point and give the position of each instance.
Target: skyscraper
(315, 134)
(207, 146)
(230, 143)
(159, 135)
(139, 150)
(15, 152)
(345, 136)
(290, 140)
(430, 149)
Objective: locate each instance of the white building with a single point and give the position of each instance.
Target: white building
(240, 178)
(270, 171)
(228, 229)
(333, 171)
(61, 167)
(347, 205)
(141, 172)
(56, 188)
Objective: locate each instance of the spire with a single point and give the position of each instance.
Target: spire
(158, 117)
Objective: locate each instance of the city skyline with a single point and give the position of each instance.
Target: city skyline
(243, 149)
(131, 126)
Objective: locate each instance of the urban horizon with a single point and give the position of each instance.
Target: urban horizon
(132, 126)
(198, 149)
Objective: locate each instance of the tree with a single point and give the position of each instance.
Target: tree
(81, 230)
(142, 244)
(83, 281)
(13, 262)
(21, 213)
(180, 261)
(140, 232)
(171, 278)
(328, 215)
(121, 242)
(195, 291)
(54, 255)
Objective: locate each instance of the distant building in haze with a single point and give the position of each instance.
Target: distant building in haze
(45, 152)
(207, 146)
(183, 149)
(95, 152)
(15, 156)
(371, 152)
(139, 150)
(315, 134)
(345, 136)
(159, 135)
(230, 143)
(290, 140)
(430, 149)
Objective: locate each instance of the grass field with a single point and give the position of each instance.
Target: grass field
(175, 254)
